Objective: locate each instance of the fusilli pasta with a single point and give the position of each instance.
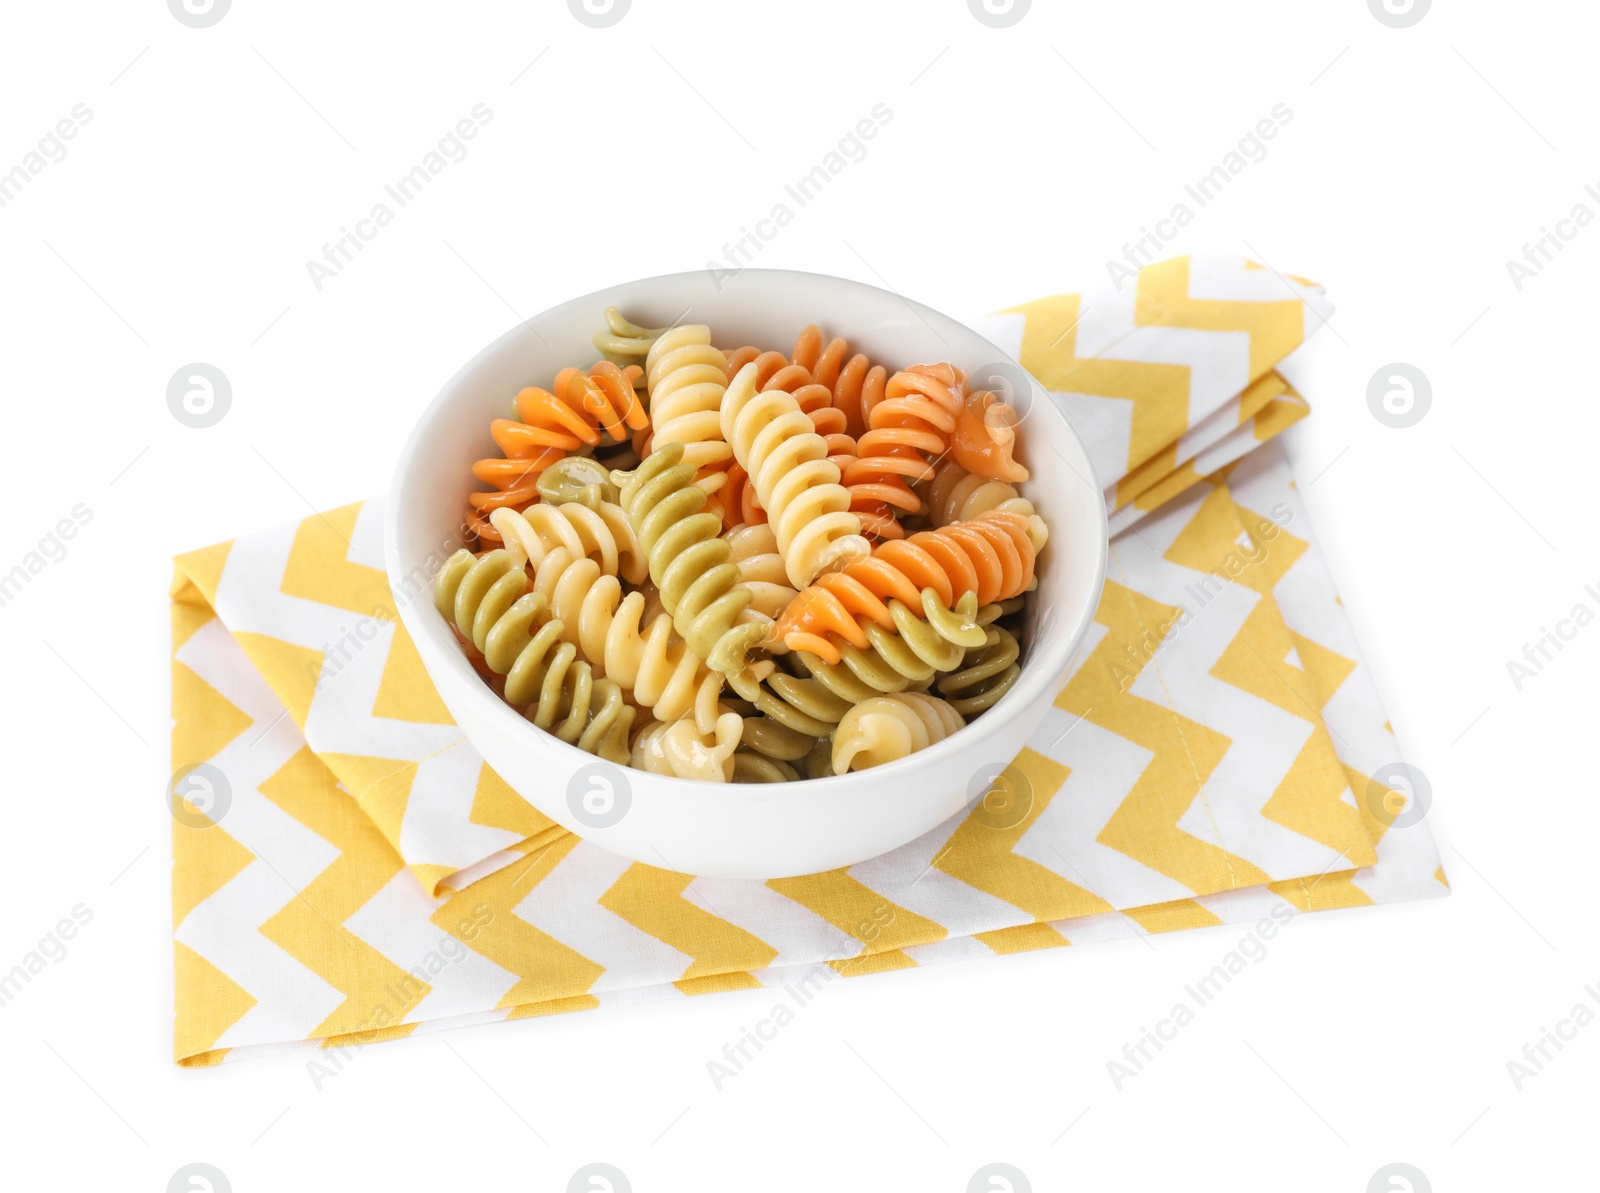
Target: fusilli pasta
(795, 711)
(990, 556)
(774, 371)
(604, 534)
(884, 728)
(549, 424)
(854, 381)
(761, 571)
(580, 479)
(687, 378)
(956, 495)
(911, 650)
(986, 672)
(805, 707)
(654, 667)
(910, 423)
(985, 437)
(678, 569)
(680, 749)
(689, 563)
(754, 768)
(488, 601)
(796, 483)
(624, 342)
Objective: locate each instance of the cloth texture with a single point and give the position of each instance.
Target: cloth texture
(347, 868)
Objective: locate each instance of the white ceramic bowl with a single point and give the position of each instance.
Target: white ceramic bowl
(739, 830)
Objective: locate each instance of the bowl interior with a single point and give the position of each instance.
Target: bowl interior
(766, 308)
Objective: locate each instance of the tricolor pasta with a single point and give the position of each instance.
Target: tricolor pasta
(745, 566)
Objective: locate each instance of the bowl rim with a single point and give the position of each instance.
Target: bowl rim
(1033, 683)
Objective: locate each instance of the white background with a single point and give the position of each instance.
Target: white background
(219, 161)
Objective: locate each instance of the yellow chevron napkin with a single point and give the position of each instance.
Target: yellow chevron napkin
(1171, 379)
(347, 869)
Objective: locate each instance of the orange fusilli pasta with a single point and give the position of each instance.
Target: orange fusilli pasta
(990, 556)
(569, 416)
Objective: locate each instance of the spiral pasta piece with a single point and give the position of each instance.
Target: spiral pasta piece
(909, 424)
(796, 483)
(909, 656)
(853, 380)
(680, 749)
(604, 534)
(625, 342)
(985, 436)
(775, 371)
(488, 601)
(828, 365)
(790, 713)
(956, 495)
(549, 424)
(581, 479)
(986, 673)
(687, 378)
(603, 399)
(772, 739)
(757, 768)
(652, 665)
(789, 710)
(790, 717)
(990, 556)
(690, 564)
(885, 728)
(852, 682)
(819, 763)
(761, 570)
(910, 651)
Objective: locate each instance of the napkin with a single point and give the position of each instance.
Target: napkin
(347, 869)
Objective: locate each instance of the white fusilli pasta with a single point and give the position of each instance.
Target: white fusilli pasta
(679, 748)
(798, 486)
(603, 534)
(654, 666)
(686, 379)
(883, 728)
(755, 552)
